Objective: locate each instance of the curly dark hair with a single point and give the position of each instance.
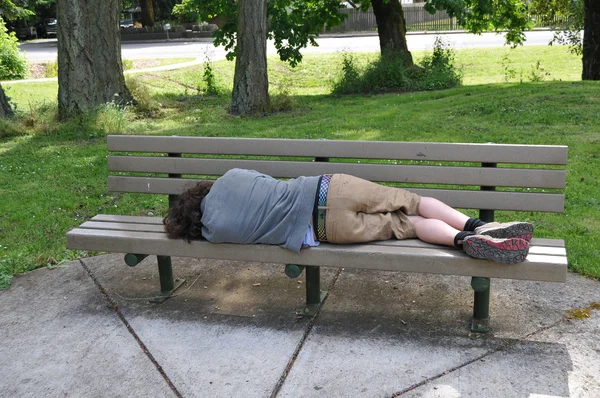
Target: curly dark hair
(184, 218)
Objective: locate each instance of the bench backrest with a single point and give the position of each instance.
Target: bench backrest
(468, 176)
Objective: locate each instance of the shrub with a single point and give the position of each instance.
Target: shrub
(209, 80)
(110, 119)
(349, 81)
(282, 101)
(51, 69)
(13, 65)
(127, 64)
(388, 73)
(440, 72)
(382, 75)
(143, 99)
(10, 128)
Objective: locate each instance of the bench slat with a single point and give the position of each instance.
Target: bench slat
(115, 226)
(127, 219)
(466, 199)
(500, 177)
(158, 221)
(548, 247)
(406, 259)
(488, 153)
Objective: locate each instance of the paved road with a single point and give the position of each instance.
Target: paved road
(45, 50)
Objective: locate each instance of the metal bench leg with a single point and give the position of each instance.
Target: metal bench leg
(481, 305)
(168, 285)
(314, 295)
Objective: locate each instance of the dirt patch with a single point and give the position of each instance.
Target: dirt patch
(37, 71)
(145, 63)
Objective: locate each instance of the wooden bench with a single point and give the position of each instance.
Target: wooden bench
(465, 176)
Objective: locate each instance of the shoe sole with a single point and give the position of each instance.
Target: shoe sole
(521, 230)
(506, 251)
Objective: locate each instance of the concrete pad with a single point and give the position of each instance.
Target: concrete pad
(58, 337)
(225, 335)
(562, 361)
(382, 333)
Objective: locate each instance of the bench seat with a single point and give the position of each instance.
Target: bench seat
(547, 259)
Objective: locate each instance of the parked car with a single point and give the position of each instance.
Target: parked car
(126, 23)
(24, 31)
(46, 27)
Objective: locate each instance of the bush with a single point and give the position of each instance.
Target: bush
(209, 83)
(13, 65)
(51, 69)
(388, 73)
(143, 99)
(440, 72)
(382, 75)
(127, 64)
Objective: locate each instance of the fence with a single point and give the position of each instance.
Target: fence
(417, 19)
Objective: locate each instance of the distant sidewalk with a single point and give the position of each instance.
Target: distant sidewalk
(197, 61)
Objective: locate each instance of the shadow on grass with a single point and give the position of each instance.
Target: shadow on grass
(51, 182)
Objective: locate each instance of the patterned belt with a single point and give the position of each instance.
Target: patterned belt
(321, 203)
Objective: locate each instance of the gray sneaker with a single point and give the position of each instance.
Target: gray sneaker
(505, 251)
(503, 230)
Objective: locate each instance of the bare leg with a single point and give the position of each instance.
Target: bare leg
(433, 231)
(434, 209)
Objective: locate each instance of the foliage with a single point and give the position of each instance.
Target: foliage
(210, 82)
(565, 18)
(13, 64)
(110, 118)
(388, 73)
(51, 69)
(127, 64)
(478, 16)
(440, 72)
(282, 100)
(143, 101)
(12, 9)
(537, 72)
(293, 24)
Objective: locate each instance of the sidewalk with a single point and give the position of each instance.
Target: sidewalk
(86, 329)
(197, 61)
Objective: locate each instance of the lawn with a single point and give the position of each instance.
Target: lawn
(54, 177)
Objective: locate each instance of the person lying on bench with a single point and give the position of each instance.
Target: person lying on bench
(246, 207)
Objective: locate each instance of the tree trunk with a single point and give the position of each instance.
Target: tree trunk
(250, 82)
(163, 9)
(5, 108)
(147, 12)
(90, 71)
(591, 40)
(391, 27)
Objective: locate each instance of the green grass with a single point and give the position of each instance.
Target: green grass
(55, 178)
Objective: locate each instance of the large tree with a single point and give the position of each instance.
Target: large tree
(5, 108)
(475, 16)
(293, 24)
(591, 40)
(147, 12)
(250, 83)
(391, 28)
(90, 71)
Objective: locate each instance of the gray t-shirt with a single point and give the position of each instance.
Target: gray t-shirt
(245, 206)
